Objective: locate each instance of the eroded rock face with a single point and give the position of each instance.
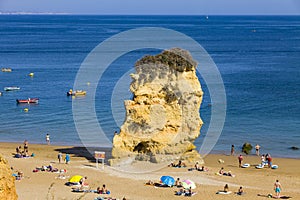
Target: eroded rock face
(7, 182)
(162, 120)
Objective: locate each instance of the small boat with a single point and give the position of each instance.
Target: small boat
(29, 100)
(12, 88)
(6, 70)
(31, 74)
(76, 93)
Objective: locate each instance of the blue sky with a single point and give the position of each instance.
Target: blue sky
(160, 7)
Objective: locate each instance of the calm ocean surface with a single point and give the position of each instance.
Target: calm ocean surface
(258, 57)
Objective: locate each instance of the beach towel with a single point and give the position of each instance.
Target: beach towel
(223, 192)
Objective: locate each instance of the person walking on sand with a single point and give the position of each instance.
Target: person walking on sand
(240, 158)
(48, 139)
(277, 188)
(257, 147)
(232, 150)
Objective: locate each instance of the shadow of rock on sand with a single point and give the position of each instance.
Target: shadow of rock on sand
(84, 152)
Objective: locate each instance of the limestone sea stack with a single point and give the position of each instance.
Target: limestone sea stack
(7, 181)
(162, 120)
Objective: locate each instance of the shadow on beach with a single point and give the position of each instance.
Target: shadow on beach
(84, 152)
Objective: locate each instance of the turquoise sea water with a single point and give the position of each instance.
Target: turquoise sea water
(258, 58)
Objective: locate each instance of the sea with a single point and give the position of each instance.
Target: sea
(258, 58)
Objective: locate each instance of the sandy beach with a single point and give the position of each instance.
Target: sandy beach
(130, 184)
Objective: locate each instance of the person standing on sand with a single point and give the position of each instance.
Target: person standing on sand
(277, 188)
(25, 146)
(232, 150)
(60, 157)
(67, 159)
(240, 158)
(48, 139)
(257, 147)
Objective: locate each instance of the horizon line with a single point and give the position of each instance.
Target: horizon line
(139, 14)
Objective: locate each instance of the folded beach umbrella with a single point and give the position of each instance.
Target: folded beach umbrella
(75, 179)
(167, 180)
(188, 183)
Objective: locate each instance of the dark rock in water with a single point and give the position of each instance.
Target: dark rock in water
(247, 147)
(294, 148)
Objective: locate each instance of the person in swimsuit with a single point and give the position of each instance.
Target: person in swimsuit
(240, 158)
(277, 188)
(226, 188)
(48, 139)
(232, 150)
(240, 191)
(25, 145)
(257, 147)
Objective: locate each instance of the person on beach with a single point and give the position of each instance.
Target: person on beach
(197, 167)
(180, 164)
(189, 192)
(83, 182)
(257, 147)
(60, 157)
(240, 158)
(103, 190)
(48, 139)
(179, 192)
(269, 159)
(171, 164)
(67, 158)
(18, 150)
(240, 191)
(226, 188)
(232, 150)
(203, 169)
(25, 146)
(221, 172)
(178, 182)
(277, 188)
(150, 182)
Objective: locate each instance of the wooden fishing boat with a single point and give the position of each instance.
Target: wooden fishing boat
(76, 93)
(29, 100)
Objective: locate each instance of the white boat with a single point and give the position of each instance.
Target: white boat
(11, 88)
(6, 70)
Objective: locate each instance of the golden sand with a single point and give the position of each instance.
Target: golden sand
(46, 185)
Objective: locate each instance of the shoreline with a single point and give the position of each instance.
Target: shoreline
(129, 182)
(213, 152)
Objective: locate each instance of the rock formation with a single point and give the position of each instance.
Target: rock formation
(7, 182)
(162, 120)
